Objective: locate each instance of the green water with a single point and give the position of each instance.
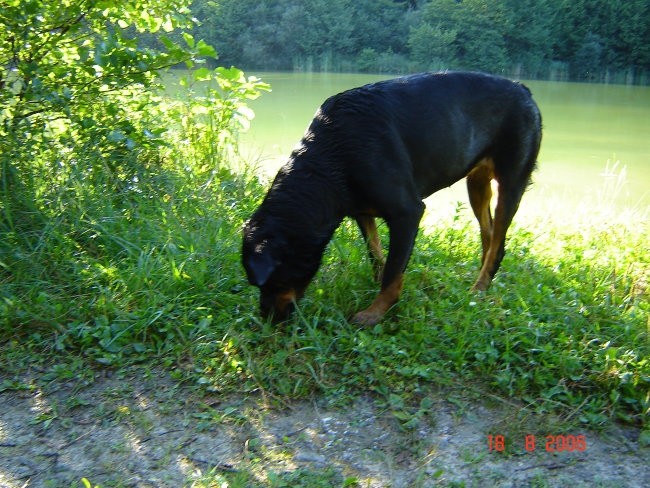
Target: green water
(595, 149)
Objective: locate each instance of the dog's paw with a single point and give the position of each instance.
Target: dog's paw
(480, 287)
(367, 318)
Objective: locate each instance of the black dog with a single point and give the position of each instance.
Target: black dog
(377, 151)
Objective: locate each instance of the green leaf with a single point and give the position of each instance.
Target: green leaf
(204, 49)
(644, 438)
(168, 25)
(231, 74)
(168, 43)
(189, 39)
(155, 23)
(202, 74)
(426, 403)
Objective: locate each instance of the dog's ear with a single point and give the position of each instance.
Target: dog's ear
(260, 265)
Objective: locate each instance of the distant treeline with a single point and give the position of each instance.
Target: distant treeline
(588, 40)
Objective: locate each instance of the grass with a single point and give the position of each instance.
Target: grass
(564, 325)
(152, 275)
(320, 478)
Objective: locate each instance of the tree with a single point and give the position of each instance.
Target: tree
(625, 35)
(479, 29)
(56, 58)
(587, 61)
(431, 45)
(529, 35)
(312, 31)
(222, 23)
(515, 37)
(380, 25)
(571, 26)
(73, 83)
(288, 34)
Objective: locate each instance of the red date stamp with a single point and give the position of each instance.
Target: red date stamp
(549, 443)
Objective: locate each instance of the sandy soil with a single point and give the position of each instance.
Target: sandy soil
(132, 430)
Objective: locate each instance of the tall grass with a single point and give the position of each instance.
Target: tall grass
(99, 275)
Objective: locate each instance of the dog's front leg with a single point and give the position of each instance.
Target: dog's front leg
(403, 228)
(388, 295)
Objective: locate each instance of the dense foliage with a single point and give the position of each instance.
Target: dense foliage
(78, 105)
(596, 40)
(93, 155)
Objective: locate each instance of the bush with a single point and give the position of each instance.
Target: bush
(100, 170)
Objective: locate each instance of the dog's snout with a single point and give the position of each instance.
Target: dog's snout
(277, 306)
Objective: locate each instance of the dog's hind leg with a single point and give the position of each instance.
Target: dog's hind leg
(510, 191)
(403, 227)
(480, 194)
(371, 236)
(513, 158)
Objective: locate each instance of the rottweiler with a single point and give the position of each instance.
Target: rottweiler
(377, 151)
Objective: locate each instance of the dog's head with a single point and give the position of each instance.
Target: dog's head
(280, 263)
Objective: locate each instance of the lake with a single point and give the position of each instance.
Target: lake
(595, 148)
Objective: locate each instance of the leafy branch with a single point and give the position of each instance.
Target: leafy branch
(82, 74)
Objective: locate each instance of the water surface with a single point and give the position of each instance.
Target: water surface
(595, 148)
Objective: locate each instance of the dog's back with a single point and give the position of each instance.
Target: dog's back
(435, 125)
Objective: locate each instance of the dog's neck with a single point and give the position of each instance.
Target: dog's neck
(308, 190)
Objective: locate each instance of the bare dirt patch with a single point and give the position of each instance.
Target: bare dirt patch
(146, 430)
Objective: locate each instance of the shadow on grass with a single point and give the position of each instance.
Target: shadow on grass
(561, 330)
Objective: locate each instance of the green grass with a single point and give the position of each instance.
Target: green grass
(564, 328)
(151, 274)
(307, 478)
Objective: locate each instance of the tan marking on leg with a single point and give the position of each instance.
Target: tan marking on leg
(497, 241)
(375, 248)
(480, 195)
(379, 261)
(386, 299)
(374, 245)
